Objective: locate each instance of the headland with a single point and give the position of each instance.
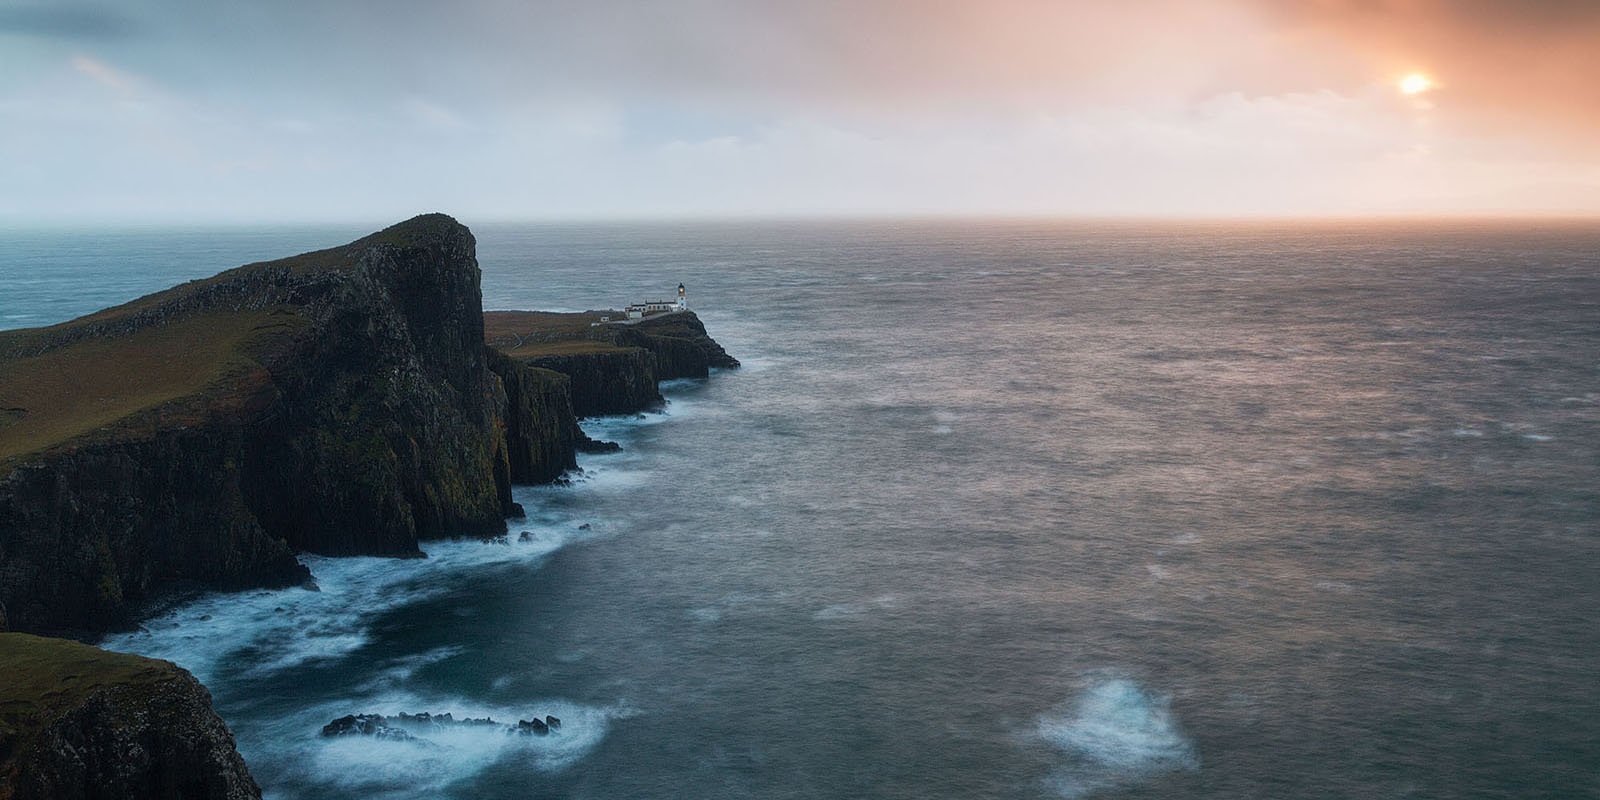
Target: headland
(341, 402)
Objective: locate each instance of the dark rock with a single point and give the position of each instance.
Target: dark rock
(352, 723)
(680, 343)
(535, 726)
(596, 446)
(402, 727)
(585, 526)
(541, 431)
(552, 722)
(373, 725)
(80, 722)
(516, 511)
(607, 382)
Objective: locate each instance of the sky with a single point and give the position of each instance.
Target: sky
(355, 110)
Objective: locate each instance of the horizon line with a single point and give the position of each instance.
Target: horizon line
(110, 224)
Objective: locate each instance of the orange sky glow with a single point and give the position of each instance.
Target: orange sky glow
(836, 107)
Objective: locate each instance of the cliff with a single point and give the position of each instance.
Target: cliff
(338, 402)
(541, 432)
(679, 342)
(79, 722)
(615, 368)
(606, 381)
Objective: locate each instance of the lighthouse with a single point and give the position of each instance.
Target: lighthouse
(683, 304)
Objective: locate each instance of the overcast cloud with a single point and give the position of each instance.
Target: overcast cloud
(371, 109)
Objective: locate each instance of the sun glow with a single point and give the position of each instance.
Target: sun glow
(1415, 83)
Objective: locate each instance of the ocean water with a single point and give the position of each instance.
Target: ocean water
(994, 510)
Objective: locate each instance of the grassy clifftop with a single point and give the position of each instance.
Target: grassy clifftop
(169, 358)
(46, 676)
(102, 387)
(78, 721)
(531, 334)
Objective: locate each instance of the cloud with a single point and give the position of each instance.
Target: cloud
(540, 108)
(104, 74)
(1527, 66)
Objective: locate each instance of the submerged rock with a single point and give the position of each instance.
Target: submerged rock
(405, 727)
(367, 725)
(598, 446)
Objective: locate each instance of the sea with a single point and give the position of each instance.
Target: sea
(994, 509)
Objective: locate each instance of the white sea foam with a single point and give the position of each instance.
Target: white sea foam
(444, 755)
(886, 602)
(265, 632)
(623, 427)
(1114, 732)
(280, 629)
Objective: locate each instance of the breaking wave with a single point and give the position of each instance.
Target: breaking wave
(1114, 732)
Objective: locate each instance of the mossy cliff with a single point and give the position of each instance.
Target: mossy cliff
(615, 368)
(605, 382)
(541, 432)
(79, 722)
(337, 402)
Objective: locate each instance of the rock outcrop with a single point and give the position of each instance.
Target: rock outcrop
(615, 367)
(79, 722)
(679, 342)
(417, 728)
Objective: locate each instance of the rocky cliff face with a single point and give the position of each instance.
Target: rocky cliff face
(78, 722)
(385, 425)
(337, 402)
(541, 432)
(615, 367)
(89, 534)
(680, 344)
(606, 382)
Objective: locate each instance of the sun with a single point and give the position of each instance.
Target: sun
(1415, 83)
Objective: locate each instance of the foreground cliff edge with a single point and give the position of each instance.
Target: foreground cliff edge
(77, 721)
(339, 402)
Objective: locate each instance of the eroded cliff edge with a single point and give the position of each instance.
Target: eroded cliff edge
(77, 721)
(615, 367)
(337, 402)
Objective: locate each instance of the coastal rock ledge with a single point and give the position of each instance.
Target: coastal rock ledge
(79, 722)
(338, 402)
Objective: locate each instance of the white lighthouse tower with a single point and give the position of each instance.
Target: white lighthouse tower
(683, 304)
